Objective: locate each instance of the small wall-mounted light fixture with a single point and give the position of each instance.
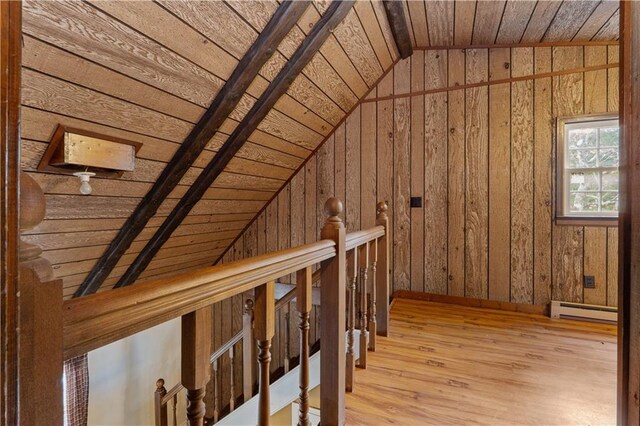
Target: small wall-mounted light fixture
(85, 186)
(87, 154)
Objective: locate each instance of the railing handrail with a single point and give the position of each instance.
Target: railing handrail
(226, 346)
(97, 320)
(358, 238)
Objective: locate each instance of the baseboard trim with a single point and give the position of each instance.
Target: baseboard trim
(474, 303)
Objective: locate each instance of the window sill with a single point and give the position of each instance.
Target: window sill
(586, 221)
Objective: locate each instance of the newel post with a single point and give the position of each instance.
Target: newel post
(248, 351)
(332, 320)
(41, 346)
(196, 368)
(382, 272)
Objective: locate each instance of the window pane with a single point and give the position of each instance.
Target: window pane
(609, 136)
(583, 138)
(609, 157)
(610, 201)
(610, 181)
(583, 202)
(585, 181)
(583, 158)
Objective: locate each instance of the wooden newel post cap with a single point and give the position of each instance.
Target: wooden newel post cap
(160, 384)
(382, 207)
(332, 208)
(32, 203)
(248, 305)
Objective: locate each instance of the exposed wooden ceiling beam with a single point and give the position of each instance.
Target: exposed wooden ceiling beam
(399, 27)
(336, 12)
(283, 20)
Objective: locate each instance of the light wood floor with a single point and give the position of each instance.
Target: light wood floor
(448, 364)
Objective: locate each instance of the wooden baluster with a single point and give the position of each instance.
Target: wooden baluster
(175, 410)
(216, 391)
(304, 304)
(332, 321)
(40, 366)
(382, 272)
(373, 323)
(352, 276)
(363, 262)
(196, 367)
(264, 330)
(232, 387)
(287, 336)
(248, 351)
(160, 408)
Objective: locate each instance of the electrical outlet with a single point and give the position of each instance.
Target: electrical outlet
(589, 281)
(416, 202)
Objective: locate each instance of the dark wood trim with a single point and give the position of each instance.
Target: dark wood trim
(586, 221)
(399, 27)
(532, 44)
(474, 303)
(336, 12)
(493, 82)
(629, 225)
(283, 20)
(11, 52)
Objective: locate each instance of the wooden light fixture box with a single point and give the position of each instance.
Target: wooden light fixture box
(71, 150)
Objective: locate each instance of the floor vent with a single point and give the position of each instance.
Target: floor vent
(584, 312)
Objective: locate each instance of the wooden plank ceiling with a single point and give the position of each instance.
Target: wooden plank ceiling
(147, 70)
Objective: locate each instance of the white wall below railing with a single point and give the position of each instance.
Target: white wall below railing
(122, 376)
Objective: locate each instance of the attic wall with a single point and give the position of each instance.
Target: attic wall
(481, 157)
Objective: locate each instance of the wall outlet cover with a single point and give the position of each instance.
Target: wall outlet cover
(589, 281)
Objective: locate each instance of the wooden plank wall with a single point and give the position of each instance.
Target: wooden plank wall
(483, 160)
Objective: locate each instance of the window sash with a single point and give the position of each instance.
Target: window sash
(564, 192)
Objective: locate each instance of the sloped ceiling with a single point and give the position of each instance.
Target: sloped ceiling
(146, 71)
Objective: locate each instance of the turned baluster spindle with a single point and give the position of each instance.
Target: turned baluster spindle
(382, 272)
(248, 351)
(304, 305)
(196, 363)
(175, 410)
(352, 276)
(264, 330)
(287, 336)
(373, 322)
(232, 387)
(333, 319)
(363, 262)
(216, 391)
(160, 409)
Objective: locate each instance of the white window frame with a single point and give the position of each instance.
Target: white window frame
(563, 174)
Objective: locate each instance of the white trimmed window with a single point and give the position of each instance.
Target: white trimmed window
(588, 178)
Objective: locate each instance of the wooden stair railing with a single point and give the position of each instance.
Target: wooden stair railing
(94, 321)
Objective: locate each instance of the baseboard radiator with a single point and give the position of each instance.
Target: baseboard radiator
(584, 312)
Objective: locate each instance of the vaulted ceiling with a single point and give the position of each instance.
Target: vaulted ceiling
(146, 71)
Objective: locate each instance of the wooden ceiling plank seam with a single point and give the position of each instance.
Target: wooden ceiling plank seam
(82, 28)
(569, 19)
(515, 20)
(108, 76)
(329, 51)
(464, 13)
(487, 21)
(399, 27)
(312, 43)
(609, 29)
(419, 25)
(310, 112)
(381, 17)
(599, 17)
(369, 11)
(369, 27)
(224, 102)
(544, 13)
(440, 17)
